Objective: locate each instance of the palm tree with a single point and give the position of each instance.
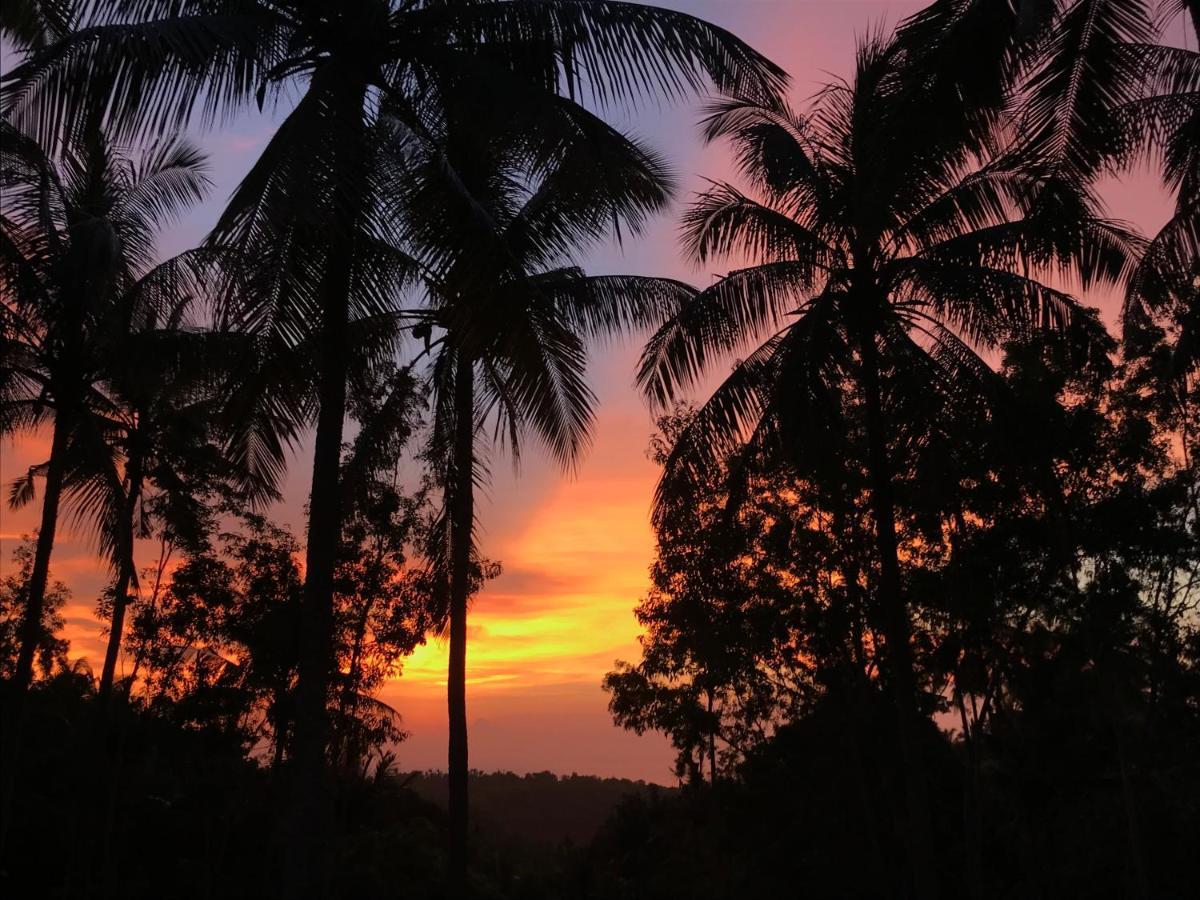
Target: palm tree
(888, 250)
(1097, 88)
(76, 266)
(165, 381)
(158, 62)
(151, 449)
(496, 230)
(1166, 117)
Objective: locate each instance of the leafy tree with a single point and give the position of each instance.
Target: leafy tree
(1051, 575)
(50, 654)
(166, 417)
(732, 624)
(497, 219)
(1034, 587)
(217, 641)
(383, 600)
(888, 247)
(222, 627)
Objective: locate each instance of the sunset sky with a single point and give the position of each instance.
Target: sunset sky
(575, 550)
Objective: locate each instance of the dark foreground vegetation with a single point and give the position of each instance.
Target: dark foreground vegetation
(161, 808)
(923, 620)
(1051, 799)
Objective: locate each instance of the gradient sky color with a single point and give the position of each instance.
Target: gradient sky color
(575, 550)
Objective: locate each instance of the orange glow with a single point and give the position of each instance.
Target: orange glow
(590, 541)
(575, 553)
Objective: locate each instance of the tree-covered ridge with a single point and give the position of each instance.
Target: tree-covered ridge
(540, 809)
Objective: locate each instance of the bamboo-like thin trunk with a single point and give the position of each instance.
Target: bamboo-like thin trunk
(462, 516)
(124, 579)
(348, 701)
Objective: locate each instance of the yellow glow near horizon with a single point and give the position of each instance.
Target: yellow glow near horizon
(592, 541)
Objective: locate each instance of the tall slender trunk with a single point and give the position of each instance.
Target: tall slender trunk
(309, 809)
(166, 547)
(850, 683)
(124, 579)
(35, 601)
(893, 617)
(281, 729)
(309, 813)
(12, 736)
(462, 516)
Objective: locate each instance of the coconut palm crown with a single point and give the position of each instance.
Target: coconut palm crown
(884, 249)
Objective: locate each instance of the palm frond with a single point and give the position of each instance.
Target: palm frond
(603, 306)
(725, 222)
(143, 77)
(1087, 72)
(722, 319)
(614, 50)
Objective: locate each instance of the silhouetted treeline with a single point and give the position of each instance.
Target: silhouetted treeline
(540, 808)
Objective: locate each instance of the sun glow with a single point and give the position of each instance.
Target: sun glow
(562, 609)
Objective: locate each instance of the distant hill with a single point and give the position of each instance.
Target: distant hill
(539, 808)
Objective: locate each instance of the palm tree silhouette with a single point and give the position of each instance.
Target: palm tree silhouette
(496, 219)
(165, 380)
(77, 256)
(887, 249)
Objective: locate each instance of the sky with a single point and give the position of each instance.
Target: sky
(575, 549)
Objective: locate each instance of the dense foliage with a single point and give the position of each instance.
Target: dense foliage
(1051, 572)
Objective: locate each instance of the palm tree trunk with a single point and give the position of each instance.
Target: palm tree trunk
(850, 685)
(31, 621)
(116, 626)
(893, 616)
(124, 579)
(462, 517)
(309, 809)
(13, 740)
(309, 814)
(972, 820)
